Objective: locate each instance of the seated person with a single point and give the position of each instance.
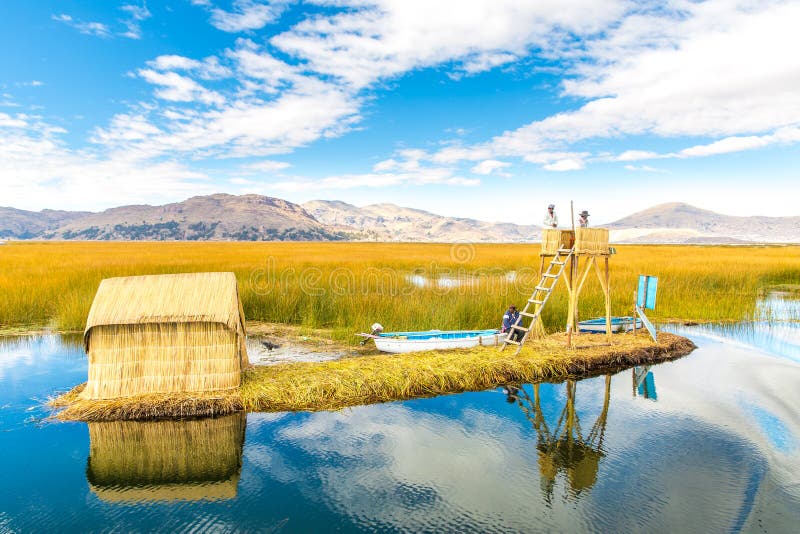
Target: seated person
(509, 319)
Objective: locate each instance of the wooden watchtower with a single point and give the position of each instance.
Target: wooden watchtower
(572, 255)
(589, 249)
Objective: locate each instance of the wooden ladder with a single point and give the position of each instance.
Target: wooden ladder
(539, 298)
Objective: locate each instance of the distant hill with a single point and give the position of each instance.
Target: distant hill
(213, 217)
(682, 223)
(21, 224)
(262, 218)
(389, 222)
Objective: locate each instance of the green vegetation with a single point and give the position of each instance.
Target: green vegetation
(347, 286)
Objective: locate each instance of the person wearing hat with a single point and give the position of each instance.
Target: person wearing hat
(510, 319)
(584, 219)
(550, 218)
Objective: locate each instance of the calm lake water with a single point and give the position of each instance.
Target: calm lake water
(708, 443)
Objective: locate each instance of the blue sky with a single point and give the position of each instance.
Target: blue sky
(476, 108)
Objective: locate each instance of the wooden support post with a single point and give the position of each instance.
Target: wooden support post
(605, 284)
(570, 282)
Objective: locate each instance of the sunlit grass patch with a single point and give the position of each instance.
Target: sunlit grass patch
(347, 286)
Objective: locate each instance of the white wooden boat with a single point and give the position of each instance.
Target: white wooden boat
(618, 324)
(400, 342)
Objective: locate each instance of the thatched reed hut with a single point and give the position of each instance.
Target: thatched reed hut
(191, 460)
(165, 334)
(584, 240)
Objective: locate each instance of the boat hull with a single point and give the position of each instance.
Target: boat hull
(401, 342)
(618, 324)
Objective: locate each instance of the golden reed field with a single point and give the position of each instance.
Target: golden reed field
(404, 286)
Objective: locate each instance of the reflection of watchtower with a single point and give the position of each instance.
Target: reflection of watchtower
(573, 255)
(565, 449)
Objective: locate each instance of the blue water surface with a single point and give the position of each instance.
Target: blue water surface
(716, 449)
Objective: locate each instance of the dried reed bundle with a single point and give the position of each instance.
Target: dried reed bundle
(381, 378)
(166, 460)
(127, 360)
(591, 240)
(554, 239)
(165, 334)
(370, 379)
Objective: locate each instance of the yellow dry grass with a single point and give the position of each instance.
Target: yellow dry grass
(380, 378)
(73, 407)
(347, 286)
(370, 379)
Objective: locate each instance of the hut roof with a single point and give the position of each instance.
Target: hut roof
(167, 298)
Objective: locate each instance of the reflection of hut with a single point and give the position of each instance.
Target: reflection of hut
(164, 334)
(166, 460)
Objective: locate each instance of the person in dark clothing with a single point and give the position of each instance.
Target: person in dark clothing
(509, 319)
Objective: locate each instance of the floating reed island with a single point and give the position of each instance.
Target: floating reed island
(172, 346)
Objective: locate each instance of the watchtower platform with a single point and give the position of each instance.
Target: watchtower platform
(589, 249)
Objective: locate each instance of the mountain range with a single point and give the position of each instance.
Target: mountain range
(261, 218)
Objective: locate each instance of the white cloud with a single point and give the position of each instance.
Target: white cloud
(39, 170)
(643, 168)
(7, 121)
(136, 14)
(565, 165)
(720, 70)
(266, 166)
(636, 155)
(208, 69)
(787, 135)
(242, 128)
(247, 15)
(173, 62)
(425, 176)
(179, 88)
(375, 39)
(489, 166)
(89, 28)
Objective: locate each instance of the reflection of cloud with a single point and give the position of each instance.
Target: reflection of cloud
(714, 385)
(17, 353)
(397, 467)
(417, 471)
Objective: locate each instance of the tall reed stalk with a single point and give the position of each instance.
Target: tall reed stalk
(347, 286)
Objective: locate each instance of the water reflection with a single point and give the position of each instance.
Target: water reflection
(133, 461)
(719, 451)
(644, 383)
(565, 449)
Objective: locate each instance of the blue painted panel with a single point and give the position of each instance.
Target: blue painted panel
(646, 295)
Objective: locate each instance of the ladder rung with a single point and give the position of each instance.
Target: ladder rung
(526, 314)
(547, 275)
(565, 250)
(512, 342)
(534, 301)
(542, 288)
(517, 327)
(558, 262)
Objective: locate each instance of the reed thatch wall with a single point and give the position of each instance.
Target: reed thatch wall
(166, 460)
(554, 239)
(585, 240)
(591, 240)
(165, 334)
